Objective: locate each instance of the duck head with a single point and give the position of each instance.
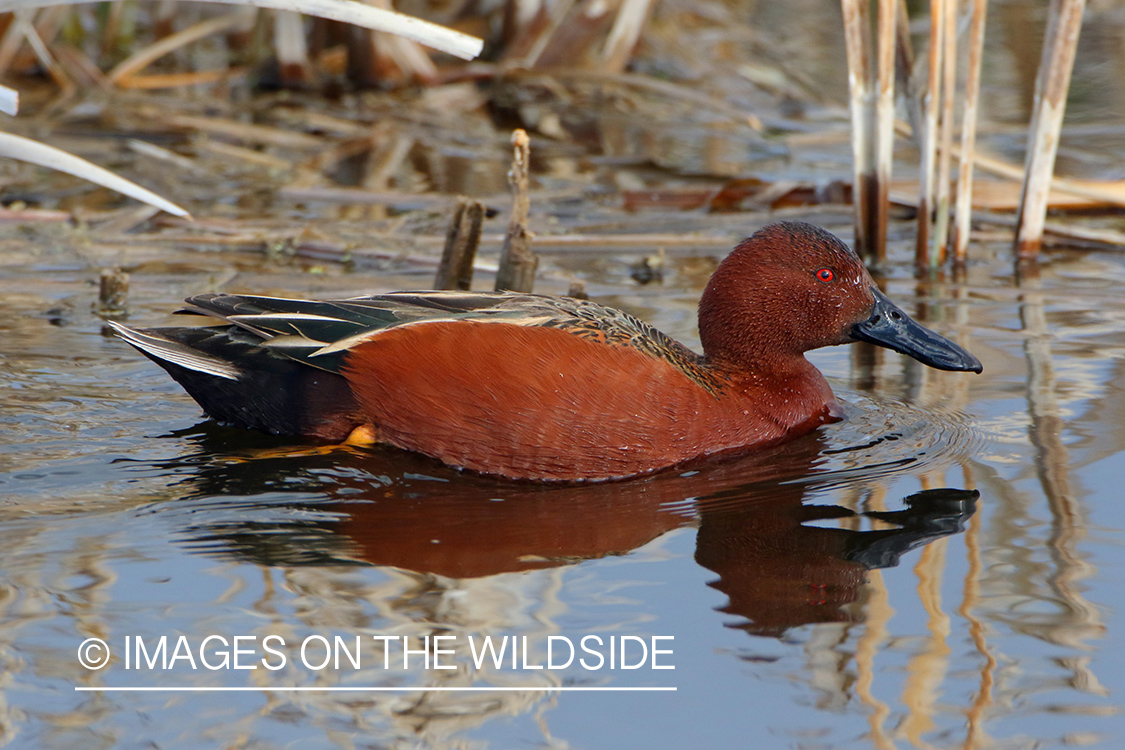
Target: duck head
(793, 287)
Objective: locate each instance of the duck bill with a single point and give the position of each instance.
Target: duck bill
(890, 327)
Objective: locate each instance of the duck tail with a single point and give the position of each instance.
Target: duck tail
(240, 383)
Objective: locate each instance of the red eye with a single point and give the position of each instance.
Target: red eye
(825, 274)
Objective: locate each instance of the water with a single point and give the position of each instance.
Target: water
(942, 569)
(824, 594)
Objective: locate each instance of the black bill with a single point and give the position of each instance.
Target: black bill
(890, 327)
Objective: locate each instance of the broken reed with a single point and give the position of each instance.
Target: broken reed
(516, 272)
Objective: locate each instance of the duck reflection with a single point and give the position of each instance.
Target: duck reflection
(778, 571)
(754, 515)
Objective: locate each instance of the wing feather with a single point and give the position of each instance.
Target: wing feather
(168, 350)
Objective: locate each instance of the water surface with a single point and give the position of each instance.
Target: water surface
(826, 593)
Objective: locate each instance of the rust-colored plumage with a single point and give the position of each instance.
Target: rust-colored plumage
(544, 388)
(543, 403)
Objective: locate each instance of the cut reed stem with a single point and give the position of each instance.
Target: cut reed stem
(928, 140)
(517, 262)
(945, 156)
(461, 243)
(857, 45)
(969, 135)
(1055, 67)
(885, 129)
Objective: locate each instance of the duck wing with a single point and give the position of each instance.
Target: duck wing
(320, 333)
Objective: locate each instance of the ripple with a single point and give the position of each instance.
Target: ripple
(881, 436)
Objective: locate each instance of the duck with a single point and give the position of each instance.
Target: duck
(548, 389)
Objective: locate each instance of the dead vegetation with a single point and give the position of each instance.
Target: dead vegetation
(677, 127)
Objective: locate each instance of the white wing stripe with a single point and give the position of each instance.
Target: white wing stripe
(177, 353)
(345, 344)
(249, 318)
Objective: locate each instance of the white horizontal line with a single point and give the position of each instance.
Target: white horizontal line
(371, 689)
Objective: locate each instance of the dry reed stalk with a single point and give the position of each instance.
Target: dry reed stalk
(244, 131)
(33, 152)
(1112, 193)
(20, 30)
(461, 243)
(1004, 195)
(517, 262)
(388, 59)
(857, 44)
(945, 156)
(47, 60)
(79, 67)
(164, 19)
(347, 11)
(885, 129)
(396, 200)
(180, 80)
(403, 59)
(549, 22)
(125, 220)
(1078, 233)
(571, 41)
(293, 65)
(1097, 191)
(50, 21)
(9, 101)
(112, 28)
(969, 135)
(627, 27)
(387, 157)
(152, 151)
(904, 67)
(928, 139)
(144, 57)
(31, 215)
(1067, 235)
(13, 39)
(1055, 67)
(301, 119)
(229, 151)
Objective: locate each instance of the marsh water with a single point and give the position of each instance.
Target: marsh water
(845, 590)
(943, 568)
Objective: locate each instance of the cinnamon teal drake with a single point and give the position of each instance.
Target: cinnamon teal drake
(548, 388)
